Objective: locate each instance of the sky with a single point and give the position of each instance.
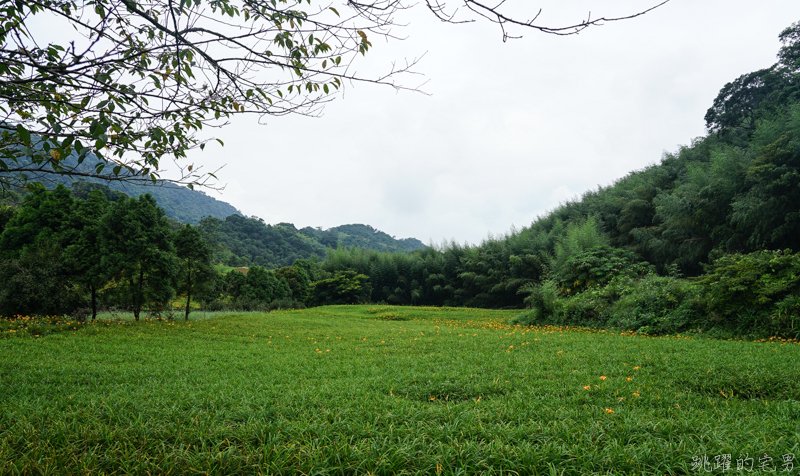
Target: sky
(505, 131)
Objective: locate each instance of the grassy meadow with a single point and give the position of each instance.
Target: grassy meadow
(387, 390)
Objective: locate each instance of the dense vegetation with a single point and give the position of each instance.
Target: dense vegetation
(383, 390)
(62, 255)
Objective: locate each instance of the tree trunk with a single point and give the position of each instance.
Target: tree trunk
(138, 297)
(188, 292)
(94, 301)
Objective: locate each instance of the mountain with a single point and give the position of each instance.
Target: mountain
(242, 241)
(180, 203)
(361, 236)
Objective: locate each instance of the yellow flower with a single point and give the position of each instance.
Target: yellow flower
(635, 394)
(587, 387)
(608, 410)
(603, 377)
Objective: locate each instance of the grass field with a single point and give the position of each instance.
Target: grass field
(381, 390)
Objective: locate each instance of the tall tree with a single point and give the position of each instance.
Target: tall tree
(755, 95)
(262, 285)
(195, 259)
(297, 279)
(138, 251)
(85, 255)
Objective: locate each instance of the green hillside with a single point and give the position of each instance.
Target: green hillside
(361, 236)
(243, 241)
(180, 203)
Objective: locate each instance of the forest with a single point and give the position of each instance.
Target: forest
(704, 241)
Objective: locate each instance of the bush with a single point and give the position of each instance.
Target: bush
(550, 307)
(657, 305)
(755, 292)
(597, 267)
(652, 305)
(345, 287)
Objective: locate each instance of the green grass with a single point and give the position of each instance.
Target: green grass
(221, 268)
(382, 390)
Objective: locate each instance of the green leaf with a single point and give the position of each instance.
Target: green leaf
(24, 134)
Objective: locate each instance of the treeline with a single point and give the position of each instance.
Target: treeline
(64, 253)
(705, 241)
(723, 212)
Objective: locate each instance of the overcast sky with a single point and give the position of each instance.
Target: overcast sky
(508, 130)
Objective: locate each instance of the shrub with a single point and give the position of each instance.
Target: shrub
(755, 292)
(657, 305)
(550, 307)
(597, 266)
(652, 305)
(345, 287)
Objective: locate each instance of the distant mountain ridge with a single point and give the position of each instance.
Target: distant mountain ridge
(362, 236)
(243, 241)
(179, 203)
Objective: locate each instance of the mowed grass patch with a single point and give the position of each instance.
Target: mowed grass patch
(386, 390)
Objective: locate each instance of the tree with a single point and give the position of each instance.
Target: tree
(195, 258)
(36, 283)
(85, 255)
(753, 95)
(44, 217)
(263, 286)
(133, 83)
(7, 212)
(297, 279)
(138, 252)
(345, 287)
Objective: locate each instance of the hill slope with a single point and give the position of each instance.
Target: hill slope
(179, 203)
(242, 241)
